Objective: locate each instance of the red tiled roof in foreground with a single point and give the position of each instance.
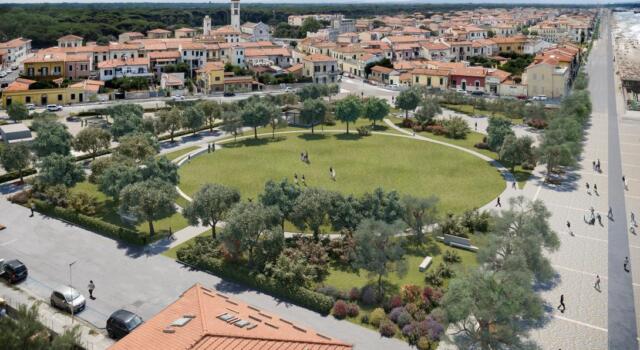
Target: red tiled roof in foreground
(205, 329)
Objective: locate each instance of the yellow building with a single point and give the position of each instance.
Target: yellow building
(19, 92)
(211, 76)
(547, 78)
(431, 78)
(46, 65)
(510, 44)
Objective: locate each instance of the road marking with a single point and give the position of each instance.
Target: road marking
(578, 322)
(537, 193)
(8, 242)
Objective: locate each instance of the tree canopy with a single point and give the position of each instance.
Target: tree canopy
(348, 110)
(149, 200)
(211, 204)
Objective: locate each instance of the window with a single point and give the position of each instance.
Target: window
(73, 96)
(217, 79)
(27, 99)
(429, 81)
(70, 68)
(140, 70)
(184, 53)
(417, 80)
(441, 81)
(59, 97)
(477, 83)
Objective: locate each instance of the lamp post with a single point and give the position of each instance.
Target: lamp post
(71, 286)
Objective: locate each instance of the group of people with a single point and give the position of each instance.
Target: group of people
(304, 157)
(596, 165)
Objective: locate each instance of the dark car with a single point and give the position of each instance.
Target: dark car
(14, 271)
(229, 93)
(121, 323)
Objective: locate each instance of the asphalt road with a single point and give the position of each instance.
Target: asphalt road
(622, 326)
(141, 282)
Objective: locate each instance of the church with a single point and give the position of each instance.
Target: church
(235, 32)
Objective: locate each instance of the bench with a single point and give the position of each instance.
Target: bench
(459, 242)
(425, 263)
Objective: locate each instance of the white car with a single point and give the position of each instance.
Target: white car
(3, 73)
(54, 108)
(461, 91)
(539, 98)
(30, 106)
(68, 299)
(178, 98)
(14, 66)
(288, 89)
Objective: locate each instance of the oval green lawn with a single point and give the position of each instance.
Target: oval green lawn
(460, 180)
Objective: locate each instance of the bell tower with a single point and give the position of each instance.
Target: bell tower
(206, 26)
(235, 14)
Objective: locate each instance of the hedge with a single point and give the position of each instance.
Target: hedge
(297, 295)
(90, 223)
(16, 175)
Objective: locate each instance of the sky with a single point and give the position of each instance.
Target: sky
(582, 2)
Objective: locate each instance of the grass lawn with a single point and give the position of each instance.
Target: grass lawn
(469, 110)
(108, 211)
(171, 253)
(460, 180)
(176, 154)
(345, 280)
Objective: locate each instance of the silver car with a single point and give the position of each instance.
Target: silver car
(68, 299)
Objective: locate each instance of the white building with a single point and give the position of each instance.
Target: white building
(235, 14)
(17, 50)
(123, 67)
(206, 26)
(70, 41)
(258, 31)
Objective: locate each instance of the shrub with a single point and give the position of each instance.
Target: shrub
(482, 145)
(394, 302)
(339, 309)
(475, 220)
(369, 295)
(528, 165)
(420, 315)
(14, 175)
(433, 278)
(364, 130)
(407, 123)
(387, 328)
(456, 128)
(330, 291)
(411, 308)
(57, 195)
(431, 328)
(410, 293)
(354, 294)
(364, 319)
(395, 313)
(423, 343)
(404, 319)
(83, 203)
(352, 310)
(436, 129)
(451, 257)
(376, 316)
(537, 123)
(445, 271)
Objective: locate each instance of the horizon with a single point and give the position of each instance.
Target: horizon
(289, 2)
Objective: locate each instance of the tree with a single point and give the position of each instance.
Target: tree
(577, 105)
(378, 250)
(311, 25)
(281, 195)
(429, 109)
(127, 119)
(522, 231)
(515, 151)
(231, 123)
(92, 140)
(52, 137)
(375, 109)
(212, 111)
(15, 157)
(408, 100)
(348, 110)
(23, 330)
(311, 209)
(489, 309)
(149, 200)
(117, 176)
(313, 91)
(419, 212)
(381, 206)
(344, 213)
(211, 204)
(58, 169)
(291, 268)
(456, 127)
(259, 114)
(497, 131)
(313, 112)
(276, 122)
(159, 168)
(137, 147)
(555, 151)
(170, 121)
(247, 224)
(17, 111)
(194, 118)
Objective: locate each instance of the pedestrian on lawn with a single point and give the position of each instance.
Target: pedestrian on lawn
(302, 157)
(476, 126)
(306, 157)
(91, 287)
(208, 148)
(562, 307)
(295, 178)
(304, 181)
(332, 173)
(597, 284)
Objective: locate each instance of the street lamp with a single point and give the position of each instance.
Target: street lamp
(71, 286)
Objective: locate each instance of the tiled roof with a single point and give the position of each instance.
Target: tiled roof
(276, 51)
(212, 321)
(88, 85)
(185, 30)
(225, 30)
(46, 57)
(381, 69)
(70, 37)
(14, 43)
(138, 61)
(19, 84)
(479, 72)
(432, 72)
(159, 31)
(211, 66)
(318, 58)
(163, 54)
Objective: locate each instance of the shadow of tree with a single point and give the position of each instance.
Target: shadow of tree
(348, 137)
(312, 137)
(254, 142)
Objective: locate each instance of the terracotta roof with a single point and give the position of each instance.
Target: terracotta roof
(295, 67)
(318, 58)
(192, 46)
(159, 31)
(211, 66)
(89, 85)
(226, 30)
(381, 69)
(205, 320)
(479, 72)
(432, 72)
(138, 61)
(185, 30)
(19, 84)
(119, 46)
(434, 46)
(46, 57)
(77, 57)
(163, 54)
(70, 37)
(276, 51)
(14, 43)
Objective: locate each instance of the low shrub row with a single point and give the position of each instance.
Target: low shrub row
(187, 132)
(16, 175)
(91, 223)
(297, 295)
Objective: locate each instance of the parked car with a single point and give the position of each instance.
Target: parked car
(14, 66)
(288, 89)
(178, 98)
(229, 93)
(54, 108)
(3, 74)
(13, 271)
(30, 106)
(68, 299)
(121, 323)
(477, 93)
(539, 98)
(461, 91)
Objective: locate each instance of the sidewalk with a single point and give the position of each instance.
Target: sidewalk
(90, 337)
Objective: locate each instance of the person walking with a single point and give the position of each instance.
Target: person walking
(306, 157)
(595, 189)
(208, 148)
(599, 219)
(610, 214)
(569, 227)
(626, 264)
(562, 307)
(597, 284)
(32, 207)
(598, 165)
(588, 190)
(304, 181)
(593, 165)
(498, 204)
(476, 126)
(302, 157)
(513, 184)
(332, 173)
(295, 178)
(624, 181)
(91, 287)
(633, 219)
